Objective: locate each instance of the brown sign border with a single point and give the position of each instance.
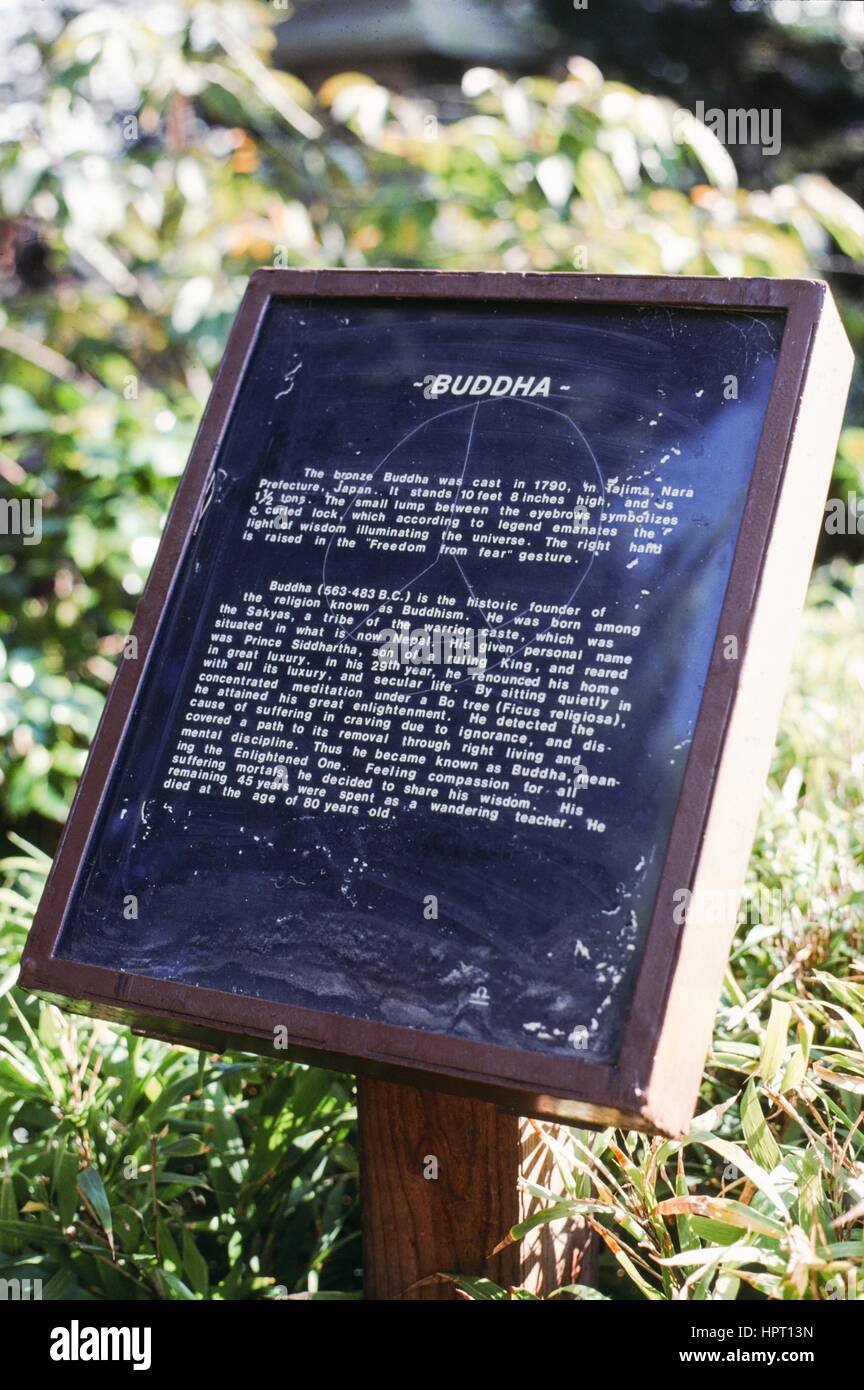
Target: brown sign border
(655, 1081)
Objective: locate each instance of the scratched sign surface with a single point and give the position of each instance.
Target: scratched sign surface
(410, 741)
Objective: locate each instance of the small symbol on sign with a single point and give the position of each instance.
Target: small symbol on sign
(480, 997)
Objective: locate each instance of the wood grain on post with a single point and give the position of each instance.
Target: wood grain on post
(439, 1179)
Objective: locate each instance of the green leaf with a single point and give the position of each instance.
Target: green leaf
(194, 1265)
(10, 1243)
(713, 1232)
(92, 1190)
(795, 1071)
(66, 1185)
(810, 1194)
(481, 1290)
(176, 1287)
(734, 1154)
(726, 1212)
(774, 1041)
(760, 1141)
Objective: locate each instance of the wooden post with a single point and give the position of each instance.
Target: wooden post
(439, 1188)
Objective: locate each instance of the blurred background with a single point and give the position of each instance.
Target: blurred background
(152, 155)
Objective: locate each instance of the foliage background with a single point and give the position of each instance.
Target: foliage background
(150, 158)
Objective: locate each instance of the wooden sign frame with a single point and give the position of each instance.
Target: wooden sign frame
(655, 1082)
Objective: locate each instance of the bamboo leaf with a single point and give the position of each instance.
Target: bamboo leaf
(724, 1210)
(92, 1190)
(774, 1041)
(733, 1153)
(760, 1141)
(854, 1084)
(795, 1071)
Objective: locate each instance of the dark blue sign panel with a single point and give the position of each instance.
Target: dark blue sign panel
(412, 735)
